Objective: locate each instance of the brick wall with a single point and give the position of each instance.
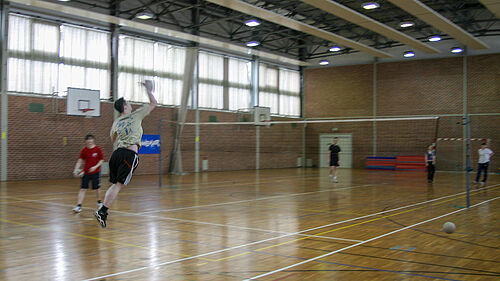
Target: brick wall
(421, 87)
(45, 145)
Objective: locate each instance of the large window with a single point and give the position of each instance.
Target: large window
(289, 92)
(239, 84)
(268, 87)
(279, 89)
(45, 57)
(211, 80)
(143, 59)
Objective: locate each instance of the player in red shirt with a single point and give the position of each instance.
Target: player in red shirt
(92, 155)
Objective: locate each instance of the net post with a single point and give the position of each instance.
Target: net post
(467, 156)
(159, 156)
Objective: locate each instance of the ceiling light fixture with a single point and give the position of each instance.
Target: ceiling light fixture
(370, 5)
(456, 50)
(434, 38)
(63, 0)
(335, 49)
(253, 43)
(252, 23)
(324, 62)
(408, 54)
(407, 24)
(144, 15)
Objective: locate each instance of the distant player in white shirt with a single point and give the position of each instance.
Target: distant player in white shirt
(484, 160)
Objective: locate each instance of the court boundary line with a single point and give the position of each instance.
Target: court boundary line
(285, 234)
(368, 240)
(256, 199)
(282, 236)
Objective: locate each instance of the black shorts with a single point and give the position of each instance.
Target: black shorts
(122, 165)
(95, 178)
(334, 162)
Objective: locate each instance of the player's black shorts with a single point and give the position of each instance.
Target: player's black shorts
(334, 162)
(122, 165)
(95, 178)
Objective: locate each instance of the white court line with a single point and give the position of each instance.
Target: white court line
(250, 200)
(274, 238)
(366, 241)
(217, 224)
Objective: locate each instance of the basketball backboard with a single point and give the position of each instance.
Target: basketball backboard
(83, 102)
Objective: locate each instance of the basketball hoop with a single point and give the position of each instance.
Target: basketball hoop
(87, 112)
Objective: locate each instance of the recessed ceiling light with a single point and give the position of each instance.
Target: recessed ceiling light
(434, 38)
(63, 0)
(456, 50)
(144, 16)
(370, 5)
(408, 54)
(253, 43)
(324, 62)
(406, 24)
(335, 49)
(252, 23)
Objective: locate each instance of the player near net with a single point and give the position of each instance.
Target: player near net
(126, 134)
(334, 159)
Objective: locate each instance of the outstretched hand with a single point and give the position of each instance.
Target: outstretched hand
(148, 84)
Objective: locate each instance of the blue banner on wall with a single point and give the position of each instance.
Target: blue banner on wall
(150, 144)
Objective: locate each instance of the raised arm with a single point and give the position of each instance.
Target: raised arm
(148, 84)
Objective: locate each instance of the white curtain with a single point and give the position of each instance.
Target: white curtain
(33, 56)
(268, 87)
(211, 78)
(136, 62)
(169, 67)
(142, 59)
(289, 92)
(239, 84)
(47, 57)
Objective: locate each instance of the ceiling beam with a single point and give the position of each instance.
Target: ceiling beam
(428, 15)
(493, 6)
(353, 16)
(160, 31)
(267, 15)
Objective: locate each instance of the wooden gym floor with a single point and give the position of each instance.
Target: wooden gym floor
(282, 224)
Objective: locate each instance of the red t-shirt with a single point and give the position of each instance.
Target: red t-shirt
(91, 156)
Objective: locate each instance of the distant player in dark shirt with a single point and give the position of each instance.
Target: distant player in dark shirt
(334, 159)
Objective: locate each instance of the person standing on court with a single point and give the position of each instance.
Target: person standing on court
(430, 162)
(484, 161)
(334, 159)
(93, 157)
(126, 134)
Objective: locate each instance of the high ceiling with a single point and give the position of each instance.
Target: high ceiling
(207, 19)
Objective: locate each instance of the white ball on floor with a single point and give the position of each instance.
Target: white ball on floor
(449, 227)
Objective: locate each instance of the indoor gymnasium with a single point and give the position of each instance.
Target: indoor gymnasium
(250, 140)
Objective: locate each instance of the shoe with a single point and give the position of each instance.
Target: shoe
(482, 183)
(335, 179)
(101, 218)
(99, 205)
(330, 177)
(77, 209)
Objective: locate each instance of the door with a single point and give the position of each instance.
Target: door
(345, 143)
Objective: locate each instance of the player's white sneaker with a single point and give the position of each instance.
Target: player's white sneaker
(99, 205)
(77, 209)
(335, 179)
(330, 177)
(482, 183)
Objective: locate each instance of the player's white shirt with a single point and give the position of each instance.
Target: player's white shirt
(484, 155)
